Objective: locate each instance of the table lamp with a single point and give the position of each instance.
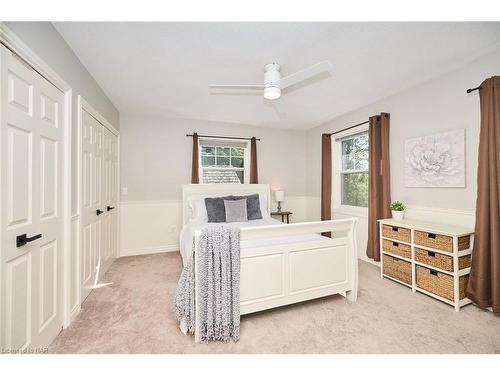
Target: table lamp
(279, 196)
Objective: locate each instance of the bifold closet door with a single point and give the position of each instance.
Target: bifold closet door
(99, 202)
(110, 185)
(31, 203)
(92, 205)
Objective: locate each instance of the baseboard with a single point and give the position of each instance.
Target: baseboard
(149, 250)
(152, 201)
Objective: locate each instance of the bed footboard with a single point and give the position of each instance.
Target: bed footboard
(278, 275)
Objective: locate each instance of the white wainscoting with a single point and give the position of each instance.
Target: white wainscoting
(295, 204)
(431, 214)
(442, 215)
(149, 227)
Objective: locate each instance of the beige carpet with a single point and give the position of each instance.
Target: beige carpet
(134, 315)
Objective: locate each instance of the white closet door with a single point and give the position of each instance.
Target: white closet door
(99, 218)
(92, 210)
(109, 179)
(31, 133)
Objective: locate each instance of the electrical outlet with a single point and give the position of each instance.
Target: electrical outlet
(124, 191)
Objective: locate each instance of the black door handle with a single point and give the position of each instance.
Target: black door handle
(98, 212)
(109, 208)
(23, 239)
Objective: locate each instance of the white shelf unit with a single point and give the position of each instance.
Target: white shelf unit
(455, 232)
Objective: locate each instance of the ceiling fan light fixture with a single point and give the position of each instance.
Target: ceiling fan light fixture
(274, 83)
(272, 92)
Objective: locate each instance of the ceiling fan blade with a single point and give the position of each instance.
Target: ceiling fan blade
(301, 75)
(250, 87)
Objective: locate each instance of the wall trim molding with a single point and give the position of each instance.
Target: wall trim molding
(172, 201)
(441, 210)
(152, 201)
(149, 250)
(452, 211)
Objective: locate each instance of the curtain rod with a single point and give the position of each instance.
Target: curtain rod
(474, 89)
(215, 136)
(350, 127)
(353, 126)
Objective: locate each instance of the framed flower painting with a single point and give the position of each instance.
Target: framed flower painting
(436, 160)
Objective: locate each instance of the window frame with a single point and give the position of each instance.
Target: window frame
(224, 142)
(337, 205)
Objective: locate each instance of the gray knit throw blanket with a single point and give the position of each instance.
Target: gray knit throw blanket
(218, 276)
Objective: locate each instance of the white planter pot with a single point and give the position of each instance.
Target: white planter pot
(398, 215)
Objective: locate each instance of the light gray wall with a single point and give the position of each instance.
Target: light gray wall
(49, 45)
(156, 155)
(436, 106)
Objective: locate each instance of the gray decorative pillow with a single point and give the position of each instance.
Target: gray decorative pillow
(253, 205)
(216, 211)
(236, 210)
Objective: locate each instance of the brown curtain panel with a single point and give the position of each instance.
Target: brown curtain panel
(379, 181)
(195, 169)
(326, 179)
(254, 177)
(484, 279)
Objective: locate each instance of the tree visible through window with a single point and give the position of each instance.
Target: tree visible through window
(223, 164)
(354, 170)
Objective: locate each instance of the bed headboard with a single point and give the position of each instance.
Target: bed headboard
(219, 190)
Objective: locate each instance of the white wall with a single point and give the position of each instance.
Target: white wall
(156, 161)
(436, 106)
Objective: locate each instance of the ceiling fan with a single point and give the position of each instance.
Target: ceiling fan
(273, 83)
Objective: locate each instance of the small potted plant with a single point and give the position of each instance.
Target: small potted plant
(398, 210)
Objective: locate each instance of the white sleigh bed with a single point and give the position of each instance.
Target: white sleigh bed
(281, 264)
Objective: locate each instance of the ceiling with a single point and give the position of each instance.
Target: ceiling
(164, 68)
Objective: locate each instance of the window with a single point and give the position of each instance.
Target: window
(223, 162)
(352, 167)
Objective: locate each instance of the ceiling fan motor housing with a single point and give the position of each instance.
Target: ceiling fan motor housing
(272, 75)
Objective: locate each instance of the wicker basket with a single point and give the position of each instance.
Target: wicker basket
(435, 241)
(440, 242)
(397, 268)
(463, 243)
(441, 261)
(396, 233)
(439, 283)
(397, 248)
(464, 262)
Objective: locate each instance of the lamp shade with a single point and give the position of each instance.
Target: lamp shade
(279, 195)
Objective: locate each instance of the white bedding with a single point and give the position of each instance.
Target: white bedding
(188, 231)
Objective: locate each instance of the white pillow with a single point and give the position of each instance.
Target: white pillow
(263, 205)
(198, 210)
